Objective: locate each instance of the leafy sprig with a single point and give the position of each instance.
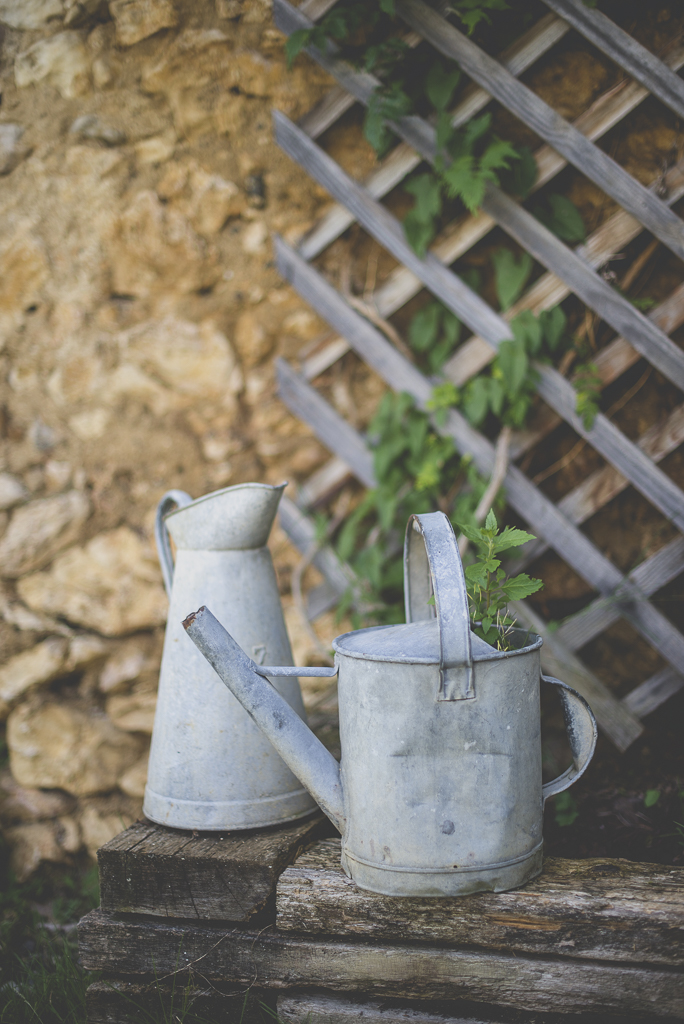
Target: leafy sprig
(489, 588)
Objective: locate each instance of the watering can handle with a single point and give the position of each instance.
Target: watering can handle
(432, 563)
(170, 501)
(582, 731)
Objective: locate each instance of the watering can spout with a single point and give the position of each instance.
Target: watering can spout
(303, 752)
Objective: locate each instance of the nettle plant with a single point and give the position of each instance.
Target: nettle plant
(489, 588)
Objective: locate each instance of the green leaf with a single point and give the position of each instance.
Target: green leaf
(472, 12)
(440, 84)
(521, 586)
(497, 156)
(427, 193)
(476, 400)
(490, 521)
(295, 43)
(512, 538)
(388, 7)
(587, 383)
(563, 218)
(510, 275)
(521, 176)
(565, 808)
(424, 327)
(553, 324)
(651, 797)
(419, 233)
(513, 362)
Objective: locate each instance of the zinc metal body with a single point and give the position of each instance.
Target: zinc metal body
(439, 791)
(210, 766)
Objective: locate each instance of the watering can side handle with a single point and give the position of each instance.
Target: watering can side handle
(170, 501)
(582, 731)
(431, 554)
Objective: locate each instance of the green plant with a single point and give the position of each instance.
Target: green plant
(651, 797)
(587, 383)
(472, 12)
(417, 470)
(561, 216)
(434, 331)
(565, 808)
(489, 588)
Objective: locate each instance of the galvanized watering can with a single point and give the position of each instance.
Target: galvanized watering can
(210, 766)
(439, 792)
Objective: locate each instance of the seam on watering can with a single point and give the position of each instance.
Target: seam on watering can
(177, 801)
(445, 870)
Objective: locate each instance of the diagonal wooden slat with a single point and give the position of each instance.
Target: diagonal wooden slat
(304, 401)
(545, 122)
(521, 225)
(558, 392)
(600, 487)
(617, 44)
(335, 433)
(653, 692)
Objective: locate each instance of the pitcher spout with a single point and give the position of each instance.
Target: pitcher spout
(303, 752)
(236, 518)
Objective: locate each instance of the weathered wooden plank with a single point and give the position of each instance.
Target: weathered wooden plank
(617, 44)
(319, 1007)
(625, 456)
(652, 574)
(614, 308)
(379, 222)
(328, 110)
(315, 9)
(597, 909)
(403, 159)
(301, 532)
(615, 719)
(123, 1001)
(150, 869)
(545, 122)
(136, 946)
(610, 363)
(323, 482)
(544, 517)
(332, 429)
(603, 485)
(653, 692)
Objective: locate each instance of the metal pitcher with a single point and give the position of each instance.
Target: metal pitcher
(439, 792)
(210, 766)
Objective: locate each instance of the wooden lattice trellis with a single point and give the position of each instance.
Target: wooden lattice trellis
(568, 271)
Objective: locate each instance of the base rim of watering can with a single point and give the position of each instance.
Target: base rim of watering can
(395, 880)
(227, 815)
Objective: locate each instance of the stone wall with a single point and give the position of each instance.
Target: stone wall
(140, 312)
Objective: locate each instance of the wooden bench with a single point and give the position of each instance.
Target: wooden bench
(247, 924)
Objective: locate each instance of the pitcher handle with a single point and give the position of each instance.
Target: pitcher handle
(437, 562)
(170, 501)
(582, 731)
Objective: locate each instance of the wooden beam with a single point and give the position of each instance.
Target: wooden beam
(229, 876)
(134, 945)
(624, 49)
(545, 122)
(597, 909)
(316, 1007)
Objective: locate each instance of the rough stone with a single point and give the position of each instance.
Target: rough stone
(29, 14)
(19, 804)
(62, 60)
(138, 19)
(111, 585)
(192, 359)
(207, 200)
(157, 149)
(12, 491)
(134, 780)
(251, 340)
(40, 841)
(90, 126)
(84, 651)
(68, 745)
(254, 238)
(133, 712)
(40, 529)
(12, 151)
(123, 666)
(99, 825)
(24, 270)
(37, 665)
